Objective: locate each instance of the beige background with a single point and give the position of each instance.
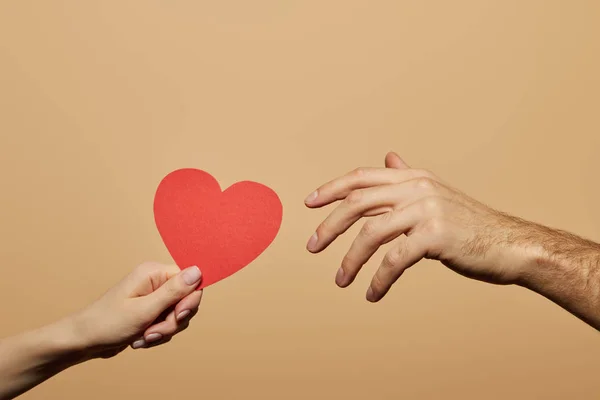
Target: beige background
(99, 100)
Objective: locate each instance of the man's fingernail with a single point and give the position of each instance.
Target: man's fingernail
(191, 275)
(339, 277)
(138, 343)
(153, 337)
(183, 314)
(311, 197)
(370, 295)
(312, 242)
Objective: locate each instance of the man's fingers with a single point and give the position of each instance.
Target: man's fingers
(359, 203)
(361, 178)
(375, 233)
(370, 202)
(172, 291)
(407, 253)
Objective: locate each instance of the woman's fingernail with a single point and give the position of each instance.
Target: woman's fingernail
(138, 343)
(311, 197)
(183, 314)
(370, 295)
(191, 275)
(312, 242)
(339, 277)
(153, 337)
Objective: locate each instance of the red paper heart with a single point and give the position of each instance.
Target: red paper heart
(219, 231)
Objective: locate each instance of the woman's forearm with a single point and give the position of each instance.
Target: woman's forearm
(132, 313)
(30, 358)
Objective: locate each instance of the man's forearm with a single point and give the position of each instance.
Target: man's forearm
(31, 358)
(566, 269)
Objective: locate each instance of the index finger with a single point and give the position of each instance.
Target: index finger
(360, 178)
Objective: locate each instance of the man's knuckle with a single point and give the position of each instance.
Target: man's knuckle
(392, 259)
(388, 217)
(428, 174)
(432, 205)
(436, 226)
(324, 229)
(377, 284)
(370, 229)
(355, 197)
(358, 172)
(347, 263)
(425, 183)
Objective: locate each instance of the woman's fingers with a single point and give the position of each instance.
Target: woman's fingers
(169, 327)
(175, 321)
(188, 305)
(163, 332)
(158, 342)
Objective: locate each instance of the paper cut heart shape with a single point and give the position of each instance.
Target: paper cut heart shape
(221, 232)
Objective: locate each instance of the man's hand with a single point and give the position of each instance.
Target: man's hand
(426, 218)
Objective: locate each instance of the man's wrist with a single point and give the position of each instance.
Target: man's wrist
(536, 266)
(529, 252)
(553, 257)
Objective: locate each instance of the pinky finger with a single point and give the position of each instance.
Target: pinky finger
(407, 252)
(162, 341)
(138, 343)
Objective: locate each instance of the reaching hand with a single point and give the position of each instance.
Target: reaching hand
(425, 218)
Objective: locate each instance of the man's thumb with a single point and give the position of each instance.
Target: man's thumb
(393, 160)
(175, 289)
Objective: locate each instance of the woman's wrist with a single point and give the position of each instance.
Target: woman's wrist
(61, 344)
(34, 356)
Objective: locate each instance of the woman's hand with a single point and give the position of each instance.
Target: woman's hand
(147, 308)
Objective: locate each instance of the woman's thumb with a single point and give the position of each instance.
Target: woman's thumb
(173, 290)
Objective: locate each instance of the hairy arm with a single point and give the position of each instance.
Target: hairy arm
(566, 270)
(423, 217)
